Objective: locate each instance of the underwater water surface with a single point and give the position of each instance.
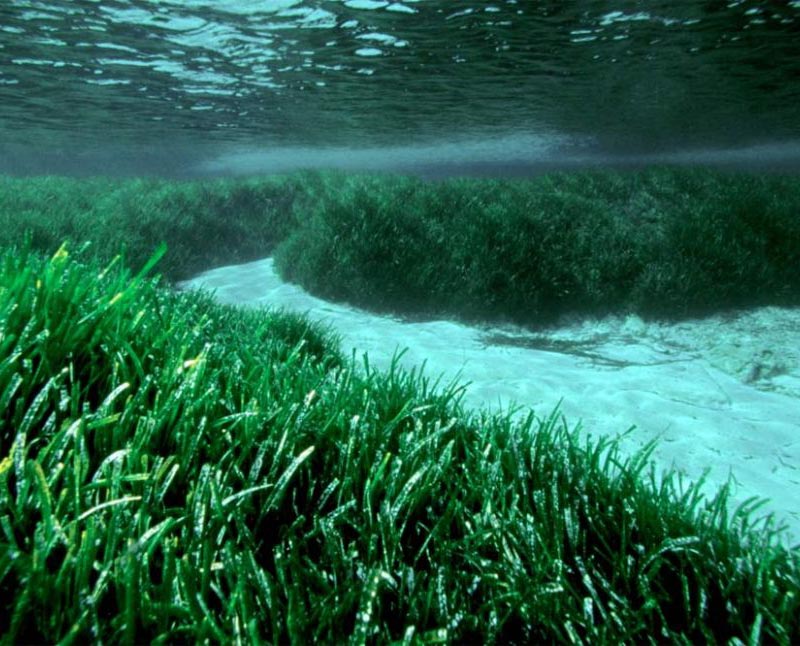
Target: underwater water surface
(176, 82)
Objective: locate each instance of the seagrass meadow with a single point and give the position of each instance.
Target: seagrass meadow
(177, 470)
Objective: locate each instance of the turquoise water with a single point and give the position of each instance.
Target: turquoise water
(82, 80)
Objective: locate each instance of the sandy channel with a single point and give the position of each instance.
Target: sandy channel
(720, 394)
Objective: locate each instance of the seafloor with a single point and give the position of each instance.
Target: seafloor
(719, 394)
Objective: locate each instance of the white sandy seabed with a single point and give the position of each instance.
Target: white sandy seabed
(720, 394)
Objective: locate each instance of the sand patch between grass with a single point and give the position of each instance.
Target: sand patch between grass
(720, 394)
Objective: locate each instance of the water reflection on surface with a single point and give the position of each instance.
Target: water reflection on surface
(377, 73)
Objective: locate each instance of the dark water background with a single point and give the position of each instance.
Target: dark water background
(180, 86)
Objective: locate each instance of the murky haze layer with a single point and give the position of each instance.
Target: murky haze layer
(622, 77)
